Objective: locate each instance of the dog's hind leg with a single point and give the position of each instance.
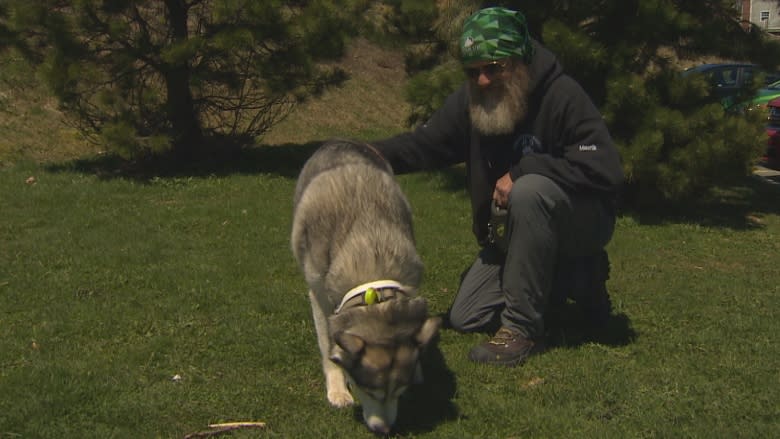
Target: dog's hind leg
(335, 383)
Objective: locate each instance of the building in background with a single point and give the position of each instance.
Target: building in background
(765, 14)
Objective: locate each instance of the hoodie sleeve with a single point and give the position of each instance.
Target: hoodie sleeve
(582, 155)
(440, 142)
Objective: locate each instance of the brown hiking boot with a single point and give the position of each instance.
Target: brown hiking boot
(506, 348)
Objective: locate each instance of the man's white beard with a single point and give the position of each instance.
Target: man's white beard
(497, 109)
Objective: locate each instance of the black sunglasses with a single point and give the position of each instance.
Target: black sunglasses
(492, 69)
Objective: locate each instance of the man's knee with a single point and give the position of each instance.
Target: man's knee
(461, 319)
(535, 190)
(472, 323)
(457, 320)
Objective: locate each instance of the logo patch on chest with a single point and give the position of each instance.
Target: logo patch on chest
(527, 144)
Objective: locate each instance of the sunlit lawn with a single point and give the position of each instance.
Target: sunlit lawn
(112, 285)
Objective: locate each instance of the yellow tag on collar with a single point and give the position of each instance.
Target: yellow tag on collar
(371, 296)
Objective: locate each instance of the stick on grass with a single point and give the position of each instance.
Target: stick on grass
(225, 427)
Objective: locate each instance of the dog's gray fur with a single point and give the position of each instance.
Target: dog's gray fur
(353, 225)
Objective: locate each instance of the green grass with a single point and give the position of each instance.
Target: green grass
(112, 284)
(115, 279)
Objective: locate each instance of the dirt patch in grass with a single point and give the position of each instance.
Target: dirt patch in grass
(370, 104)
(31, 126)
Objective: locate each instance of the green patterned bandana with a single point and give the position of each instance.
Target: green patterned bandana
(495, 33)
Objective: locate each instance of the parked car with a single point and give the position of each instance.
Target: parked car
(766, 94)
(728, 79)
(772, 155)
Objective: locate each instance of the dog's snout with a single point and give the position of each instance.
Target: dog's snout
(379, 427)
(380, 424)
(379, 415)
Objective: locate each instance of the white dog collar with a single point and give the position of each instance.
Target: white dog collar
(361, 290)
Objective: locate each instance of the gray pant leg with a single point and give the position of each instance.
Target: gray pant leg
(545, 225)
(480, 297)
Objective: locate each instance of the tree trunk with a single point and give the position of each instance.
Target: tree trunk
(187, 133)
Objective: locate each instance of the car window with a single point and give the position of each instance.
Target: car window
(747, 76)
(724, 77)
(714, 77)
(728, 77)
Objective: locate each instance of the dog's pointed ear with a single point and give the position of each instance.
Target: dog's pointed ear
(348, 346)
(428, 331)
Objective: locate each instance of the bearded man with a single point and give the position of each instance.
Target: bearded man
(543, 175)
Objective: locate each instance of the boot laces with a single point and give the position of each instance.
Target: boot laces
(504, 336)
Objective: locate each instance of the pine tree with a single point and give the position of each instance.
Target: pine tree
(147, 76)
(676, 140)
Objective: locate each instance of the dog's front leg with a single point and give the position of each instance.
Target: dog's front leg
(335, 384)
(418, 374)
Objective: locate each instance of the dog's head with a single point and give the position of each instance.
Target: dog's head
(378, 346)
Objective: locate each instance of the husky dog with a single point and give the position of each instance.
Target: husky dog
(352, 236)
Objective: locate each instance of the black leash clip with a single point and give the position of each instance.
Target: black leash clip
(497, 227)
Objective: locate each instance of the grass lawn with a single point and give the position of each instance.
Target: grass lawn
(110, 287)
(150, 305)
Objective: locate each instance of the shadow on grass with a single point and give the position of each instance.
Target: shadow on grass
(738, 207)
(567, 327)
(424, 406)
(282, 160)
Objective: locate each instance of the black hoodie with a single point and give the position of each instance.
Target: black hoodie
(564, 138)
